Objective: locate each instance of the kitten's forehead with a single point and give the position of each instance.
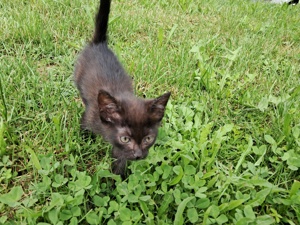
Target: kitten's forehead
(124, 131)
(136, 113)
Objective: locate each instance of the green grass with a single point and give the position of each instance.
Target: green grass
(228, 150)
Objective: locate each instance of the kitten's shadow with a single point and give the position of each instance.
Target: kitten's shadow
(88, 136)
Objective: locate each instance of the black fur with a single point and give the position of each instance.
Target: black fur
(293, 2)
(102, 17)
(112, 110)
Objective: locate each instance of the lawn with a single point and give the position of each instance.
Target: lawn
(228, 150)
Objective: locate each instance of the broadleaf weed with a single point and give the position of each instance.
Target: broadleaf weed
(228, 148)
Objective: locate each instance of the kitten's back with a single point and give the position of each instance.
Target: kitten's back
(97, 66)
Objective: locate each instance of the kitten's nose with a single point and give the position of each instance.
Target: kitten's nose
(138, 154)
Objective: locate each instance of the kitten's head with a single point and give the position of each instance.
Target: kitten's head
(131, 123)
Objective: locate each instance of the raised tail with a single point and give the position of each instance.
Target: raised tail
(100, 34)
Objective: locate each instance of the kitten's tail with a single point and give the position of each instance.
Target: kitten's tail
(100, 34)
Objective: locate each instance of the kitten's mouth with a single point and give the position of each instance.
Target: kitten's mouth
(135, 158)
(131, 155)
(140, 158)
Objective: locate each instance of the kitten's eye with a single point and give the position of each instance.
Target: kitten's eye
(124, 139)
(149, 139)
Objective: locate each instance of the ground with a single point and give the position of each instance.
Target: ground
(228, 150)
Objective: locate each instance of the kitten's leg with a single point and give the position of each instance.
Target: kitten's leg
(120, 164)
(119, 167)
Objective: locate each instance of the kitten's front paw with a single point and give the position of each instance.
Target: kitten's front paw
(119, 167)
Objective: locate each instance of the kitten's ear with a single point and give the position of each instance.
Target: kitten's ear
(108, 107)
(157, 107)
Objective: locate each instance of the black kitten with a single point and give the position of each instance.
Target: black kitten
(129, 123)
(293, 2)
